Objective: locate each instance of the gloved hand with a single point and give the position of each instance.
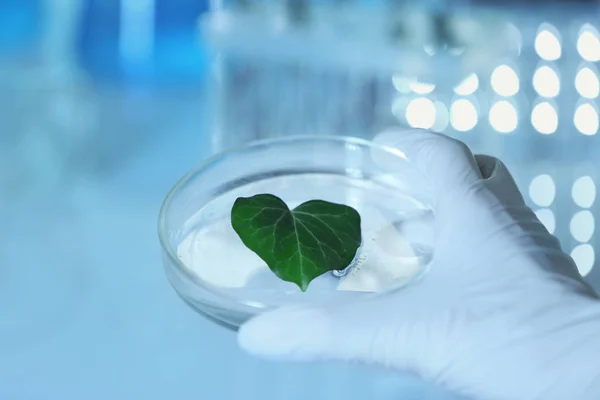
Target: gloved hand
(503, 313)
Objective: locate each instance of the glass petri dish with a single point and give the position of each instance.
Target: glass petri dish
(218, 276)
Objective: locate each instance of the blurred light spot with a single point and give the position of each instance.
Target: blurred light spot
(582, 226)
(421, 87)
(463, 115)
(584, 258)
(468, 86)
(588, 44)
(546, 82)
(546, 217)
(542, 190)
(586, 119)
(505, 81)
(547, 43)
(503, 116)
(544, 118)
(401, 83)
(584, 192)
(586, 83)
(429, 49)
(441, 117)
(420, 113)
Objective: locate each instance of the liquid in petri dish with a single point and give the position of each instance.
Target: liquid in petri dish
(396, 229)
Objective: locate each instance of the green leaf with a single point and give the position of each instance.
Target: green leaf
(301, 244)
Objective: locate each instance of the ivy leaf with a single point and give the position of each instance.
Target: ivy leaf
(301, 244)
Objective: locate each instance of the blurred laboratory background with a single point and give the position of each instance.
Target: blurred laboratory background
(105, 104)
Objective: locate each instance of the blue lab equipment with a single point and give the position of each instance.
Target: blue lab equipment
(140, 42)
(20, 24)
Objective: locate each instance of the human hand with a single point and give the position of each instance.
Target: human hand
(503, 313)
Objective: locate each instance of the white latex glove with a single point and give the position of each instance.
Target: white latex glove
(503, 314)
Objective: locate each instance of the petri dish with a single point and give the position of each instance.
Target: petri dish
(213, 271)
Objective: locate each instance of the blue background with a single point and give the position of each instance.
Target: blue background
(90, 143)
